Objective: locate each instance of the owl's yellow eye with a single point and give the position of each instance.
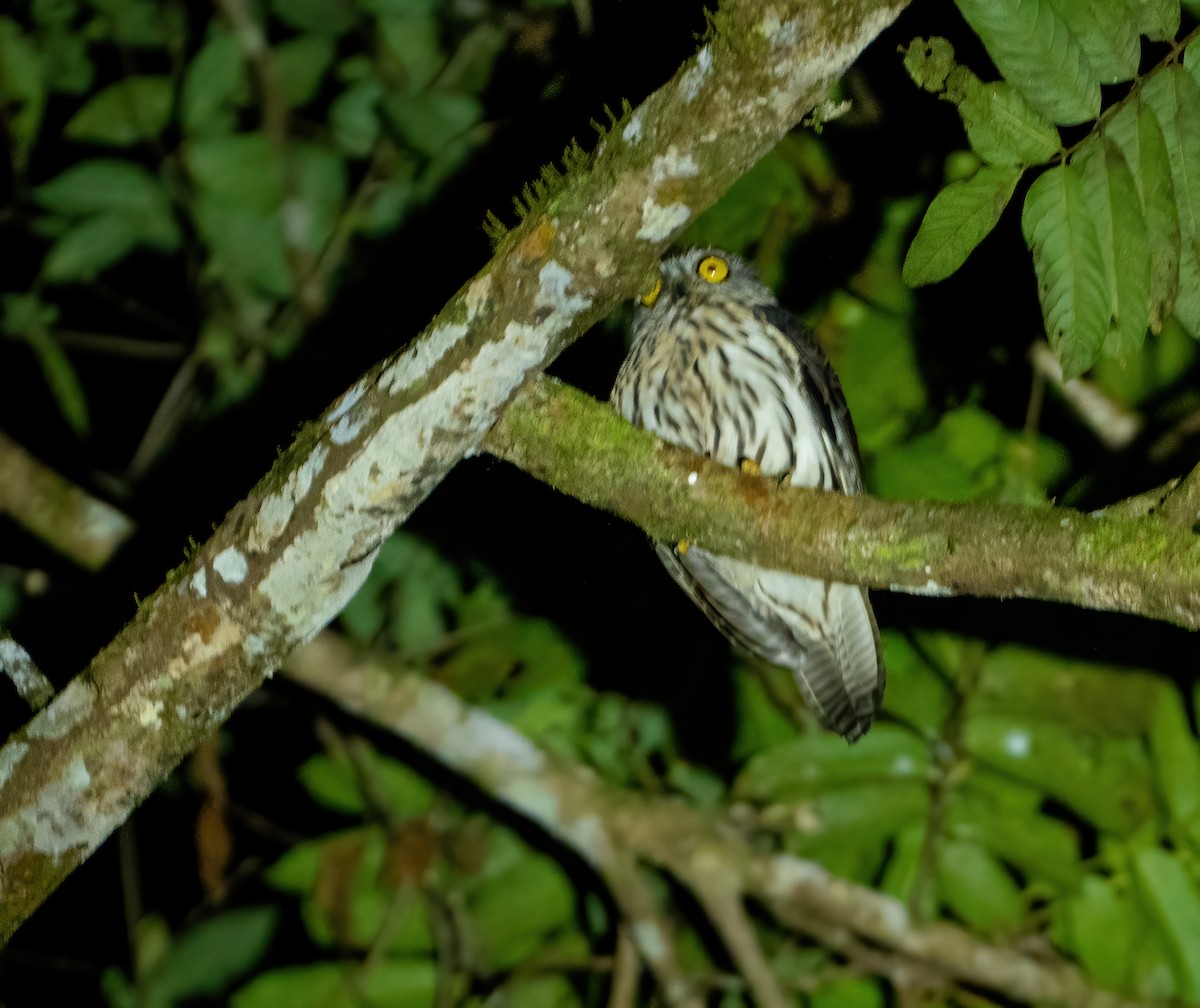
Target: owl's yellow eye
(714, 269)
(651, 295)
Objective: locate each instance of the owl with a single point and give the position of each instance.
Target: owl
(718, 367)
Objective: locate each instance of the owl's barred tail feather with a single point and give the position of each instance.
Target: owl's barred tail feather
(823, 632)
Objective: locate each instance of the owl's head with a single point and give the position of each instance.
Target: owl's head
(702, 276)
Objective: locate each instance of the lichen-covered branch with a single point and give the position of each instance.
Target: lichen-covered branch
(81, 527)
(288, 557)
(613, 829)
(1132, 563)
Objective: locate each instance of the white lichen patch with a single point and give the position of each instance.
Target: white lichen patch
(10, 756)
(277, 509)
(779, 32)
(346, 402)
(1018, 743)
(480, 289)
(589, 835)
(533, 798)
(694, 77)
(200, 582)
(660, 222)
(344, 421)
(673, 165)
(181, 712)
(482, 740)
(64, 712)
(347, 428)
(149, 714)
(419, 359)
(254, 646)
(632, 132)
(649, 939)
(788, 871)
(230, 565)
(103, 522)
(16, 663)
(62, 818)
(930, 588)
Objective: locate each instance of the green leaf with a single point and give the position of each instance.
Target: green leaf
(354, 117)
(1105, 780)
(1111, 193)
(1002, 815)
(208, 957)
(958, 219)
(69, 69)
(89, 247)
(339, 784)
(1170, 896)
(1135, 130)
(1058, 228)
(1003, 128)
(877, 366)
(320, 181)
(241, 170)
(1158, 20)
(387, 206)
(848, 994)
(410, 52)
(514, 912)
(1176, 756)
(1175, 98)
(429, 122)
(1085, 696)
(23, 85)
(1108, 35)
(126, 190)
(407, 982)
(131, 110)
(332, 16)
(300, 64)
(959, 459)
(245, 247)
(1030, 43)
(214, 85)
(771, 189)
(399, 8)
(61, 377)
(812, 764)
(977, 889)
(1099, 926)
(135, 24)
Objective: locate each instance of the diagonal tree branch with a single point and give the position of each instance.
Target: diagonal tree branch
(288, 557)
(1129, 562)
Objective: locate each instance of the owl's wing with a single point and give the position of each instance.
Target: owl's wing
(823, 632)
(824, 393)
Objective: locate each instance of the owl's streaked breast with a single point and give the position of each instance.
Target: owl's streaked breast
(710, 357)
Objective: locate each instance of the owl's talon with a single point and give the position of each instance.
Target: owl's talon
(750, 467)
(682, 546)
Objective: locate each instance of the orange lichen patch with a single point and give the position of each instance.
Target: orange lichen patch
(750, 467)
(535, 244)
(202, 620)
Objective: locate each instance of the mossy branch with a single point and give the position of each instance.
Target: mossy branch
(1143, 564)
